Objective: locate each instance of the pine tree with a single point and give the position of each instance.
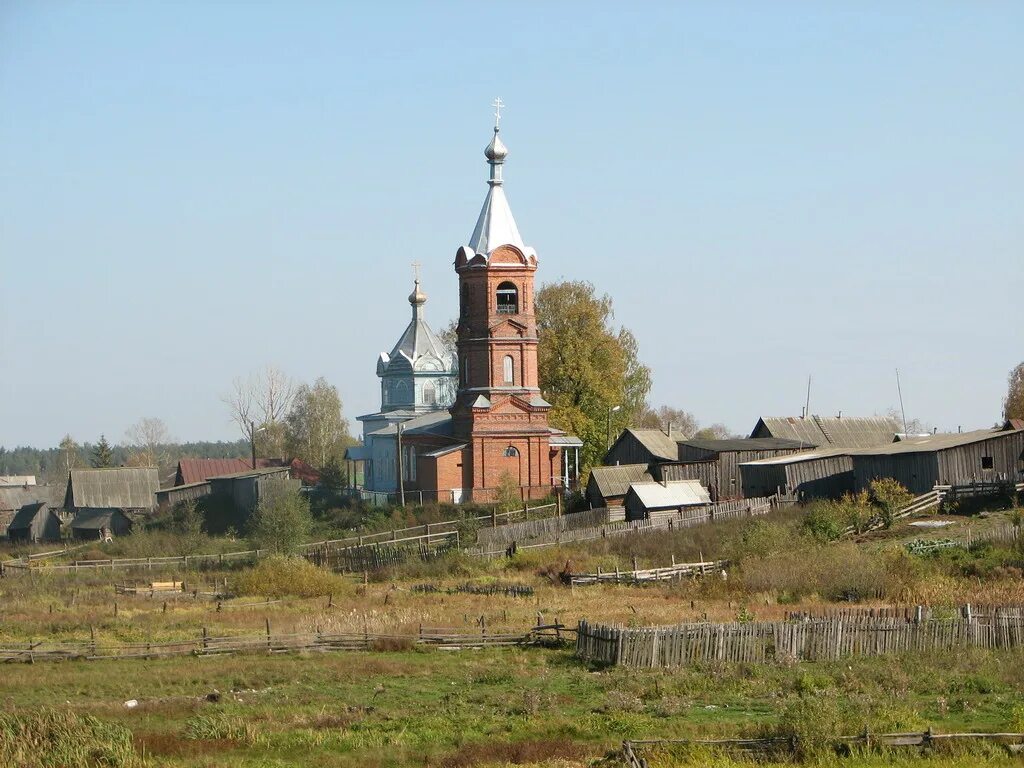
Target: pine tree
(102, 455)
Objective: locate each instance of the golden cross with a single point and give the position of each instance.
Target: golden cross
(416, 270)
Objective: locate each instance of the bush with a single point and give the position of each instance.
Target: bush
(889, 496)
(280, 576)
(63, 739)
(282, 519)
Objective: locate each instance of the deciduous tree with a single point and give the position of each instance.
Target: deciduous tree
(258, 404)
(69, 450)
(149, 439)
(586, 366)
(1013, 405)
(684, 424)
(315, 429)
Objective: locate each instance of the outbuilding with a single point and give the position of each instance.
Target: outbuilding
(642, 446)
(34, 522)
(607, 486)
(919, 464)
(127, 489)
(850, 432)
(730, 453)
(658, 502)
(826, 473)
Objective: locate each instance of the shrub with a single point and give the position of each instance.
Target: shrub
(52, 738)
(280, 576)
(889, 496)
(282, 519)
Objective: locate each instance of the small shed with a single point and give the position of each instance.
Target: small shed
(666, 501)
(731, 453)
(100, 524)
(34, 522)
(170, 497)
(129, 489)
(607, 486)
(984, 455)
(642, 446)
(826, 473)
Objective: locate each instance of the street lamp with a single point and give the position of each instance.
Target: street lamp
(608, 436)
(252, 440)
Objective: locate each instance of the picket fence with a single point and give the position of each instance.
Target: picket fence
(531, 529)
(812, 640)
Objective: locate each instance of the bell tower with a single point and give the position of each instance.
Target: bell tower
(499, 411)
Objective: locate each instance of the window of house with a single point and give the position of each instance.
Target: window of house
(511, 452)
(986, 462)
(508, 370)
(409, 462)
(429, 394)
(508, 299)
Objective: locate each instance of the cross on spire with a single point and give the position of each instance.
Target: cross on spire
(497, 104)
(416, 270)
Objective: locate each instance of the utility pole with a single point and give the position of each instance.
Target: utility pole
(608, 434)
(252, 441)
(401, 468)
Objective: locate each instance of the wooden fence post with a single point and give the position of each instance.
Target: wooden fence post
(267, 622)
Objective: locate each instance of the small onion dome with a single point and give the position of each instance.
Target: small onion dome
(496, 151)
(417, 297)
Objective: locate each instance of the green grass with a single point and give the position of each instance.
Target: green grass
(437, 708)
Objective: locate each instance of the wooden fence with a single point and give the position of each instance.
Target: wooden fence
(812, 640)
(532, 529)
(208, 645)
(722, 511)
(669, 573)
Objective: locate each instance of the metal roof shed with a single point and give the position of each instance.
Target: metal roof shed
(660, 501)
(824, 473)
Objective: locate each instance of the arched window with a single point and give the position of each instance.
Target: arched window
(464, 370)
(508, 299)
(464, 306)
(429, 394)
(509, 370)
(511, 452)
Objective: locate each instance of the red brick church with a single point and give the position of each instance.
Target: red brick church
(498, 423)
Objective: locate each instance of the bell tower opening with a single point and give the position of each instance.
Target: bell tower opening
(507, 299)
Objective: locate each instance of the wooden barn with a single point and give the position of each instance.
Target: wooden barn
(607, 486)
(33, 523)
(245, 489)
(851, 432)
(127, 489)
(642, 446)
(818, 474)
(660, 501)
(170, 497)
(919, 464)
(100, 524)
(731, 453)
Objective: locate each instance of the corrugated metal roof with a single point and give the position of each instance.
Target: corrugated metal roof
(615, 480)
(676, 493)
(435, 423)
(13, 499)
(118, 488)
(444, 451)
(198, 470)
(249, 472)
(797, 458)
(936, 442)
(570, 441)
(851, 432)
(747, 444)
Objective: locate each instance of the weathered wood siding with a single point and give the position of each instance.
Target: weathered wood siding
(827, 477)
(729, 482)
(917, 472)
(963, 464)
(629, 450)
(705, 471)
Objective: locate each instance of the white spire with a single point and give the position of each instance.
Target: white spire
(495, 225)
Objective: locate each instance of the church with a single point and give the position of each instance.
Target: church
(455, 427)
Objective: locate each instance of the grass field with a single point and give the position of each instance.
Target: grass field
(499, 707)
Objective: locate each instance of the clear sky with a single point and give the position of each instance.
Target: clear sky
(192, 190)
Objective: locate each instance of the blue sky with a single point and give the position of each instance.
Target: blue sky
(190, 191)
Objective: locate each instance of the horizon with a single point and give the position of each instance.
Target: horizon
(195, 193)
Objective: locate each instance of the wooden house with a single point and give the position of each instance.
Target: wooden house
(33, 523)
(919, 464)
(655, 501)
(730, 453)
(826, 473)
(642, 446)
